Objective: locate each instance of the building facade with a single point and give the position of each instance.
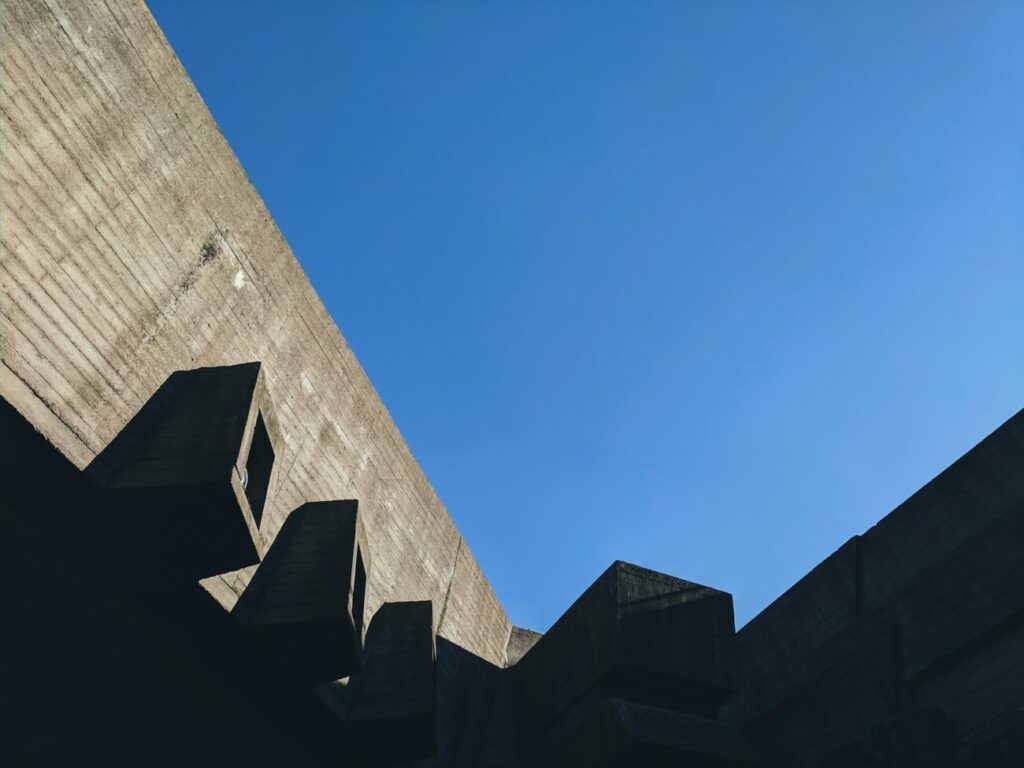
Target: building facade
(218, 549)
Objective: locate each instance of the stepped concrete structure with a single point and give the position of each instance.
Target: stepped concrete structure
(217, 549)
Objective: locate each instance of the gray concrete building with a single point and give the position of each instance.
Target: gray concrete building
(216, 547)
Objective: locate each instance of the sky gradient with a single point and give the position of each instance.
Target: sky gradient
(709, 287)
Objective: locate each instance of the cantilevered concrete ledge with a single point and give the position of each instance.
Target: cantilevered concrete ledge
(637, 652)
(305, 602)
(187, 478)
(392, 712)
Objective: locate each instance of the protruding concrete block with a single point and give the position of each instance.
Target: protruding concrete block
(636, 633)
(188, 477)
(305, 601)
(391, 716)
(663, 644)
(520, 641)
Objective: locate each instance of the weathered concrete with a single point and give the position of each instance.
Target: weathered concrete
(392, 711)
(519, 642)
(133, 245)
(633, 628)
(303, 604)
(632, 674)
(185, 480)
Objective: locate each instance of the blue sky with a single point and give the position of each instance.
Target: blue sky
(709, 286)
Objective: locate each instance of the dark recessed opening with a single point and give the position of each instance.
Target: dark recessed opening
(256, 478)
(359, 596)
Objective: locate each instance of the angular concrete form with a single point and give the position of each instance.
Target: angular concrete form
(305, 602)
(217, 549)
(638, 651)
(134, 246)
(391, 715)
(633, 629)
(187, 478)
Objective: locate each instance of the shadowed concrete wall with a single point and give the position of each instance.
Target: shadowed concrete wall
(133, 245)
(912, 630)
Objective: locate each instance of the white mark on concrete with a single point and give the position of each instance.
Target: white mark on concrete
(239, 281)
(307, 384)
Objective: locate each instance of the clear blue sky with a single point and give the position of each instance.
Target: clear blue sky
(707, 286)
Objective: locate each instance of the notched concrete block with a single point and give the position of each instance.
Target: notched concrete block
(392, 712)
(662, 644)
(604, 732)
(186, 481)
(638, 633)
(304, 604)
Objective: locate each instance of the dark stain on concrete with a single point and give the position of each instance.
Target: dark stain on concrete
(209, 251)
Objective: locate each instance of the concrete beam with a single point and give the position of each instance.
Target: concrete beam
(392, 710)
(186, 480)
(634, 630)
(305, 602)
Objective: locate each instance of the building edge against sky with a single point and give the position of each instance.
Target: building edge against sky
(136, 251)
(167, 259)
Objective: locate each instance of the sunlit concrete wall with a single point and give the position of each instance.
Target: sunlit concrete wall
(133, 245)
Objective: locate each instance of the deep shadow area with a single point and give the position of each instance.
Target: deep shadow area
(476, 716)
(902, 649)
(99, 667)
(182, 476)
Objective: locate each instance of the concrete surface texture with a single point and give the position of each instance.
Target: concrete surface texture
(134, 246)
(216, 548)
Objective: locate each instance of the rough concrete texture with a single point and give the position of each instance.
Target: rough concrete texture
(662, 644)
(133, 245)
(300, 602)
(392, 712)
(519, 642)
(186, 478)
(632, 630)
